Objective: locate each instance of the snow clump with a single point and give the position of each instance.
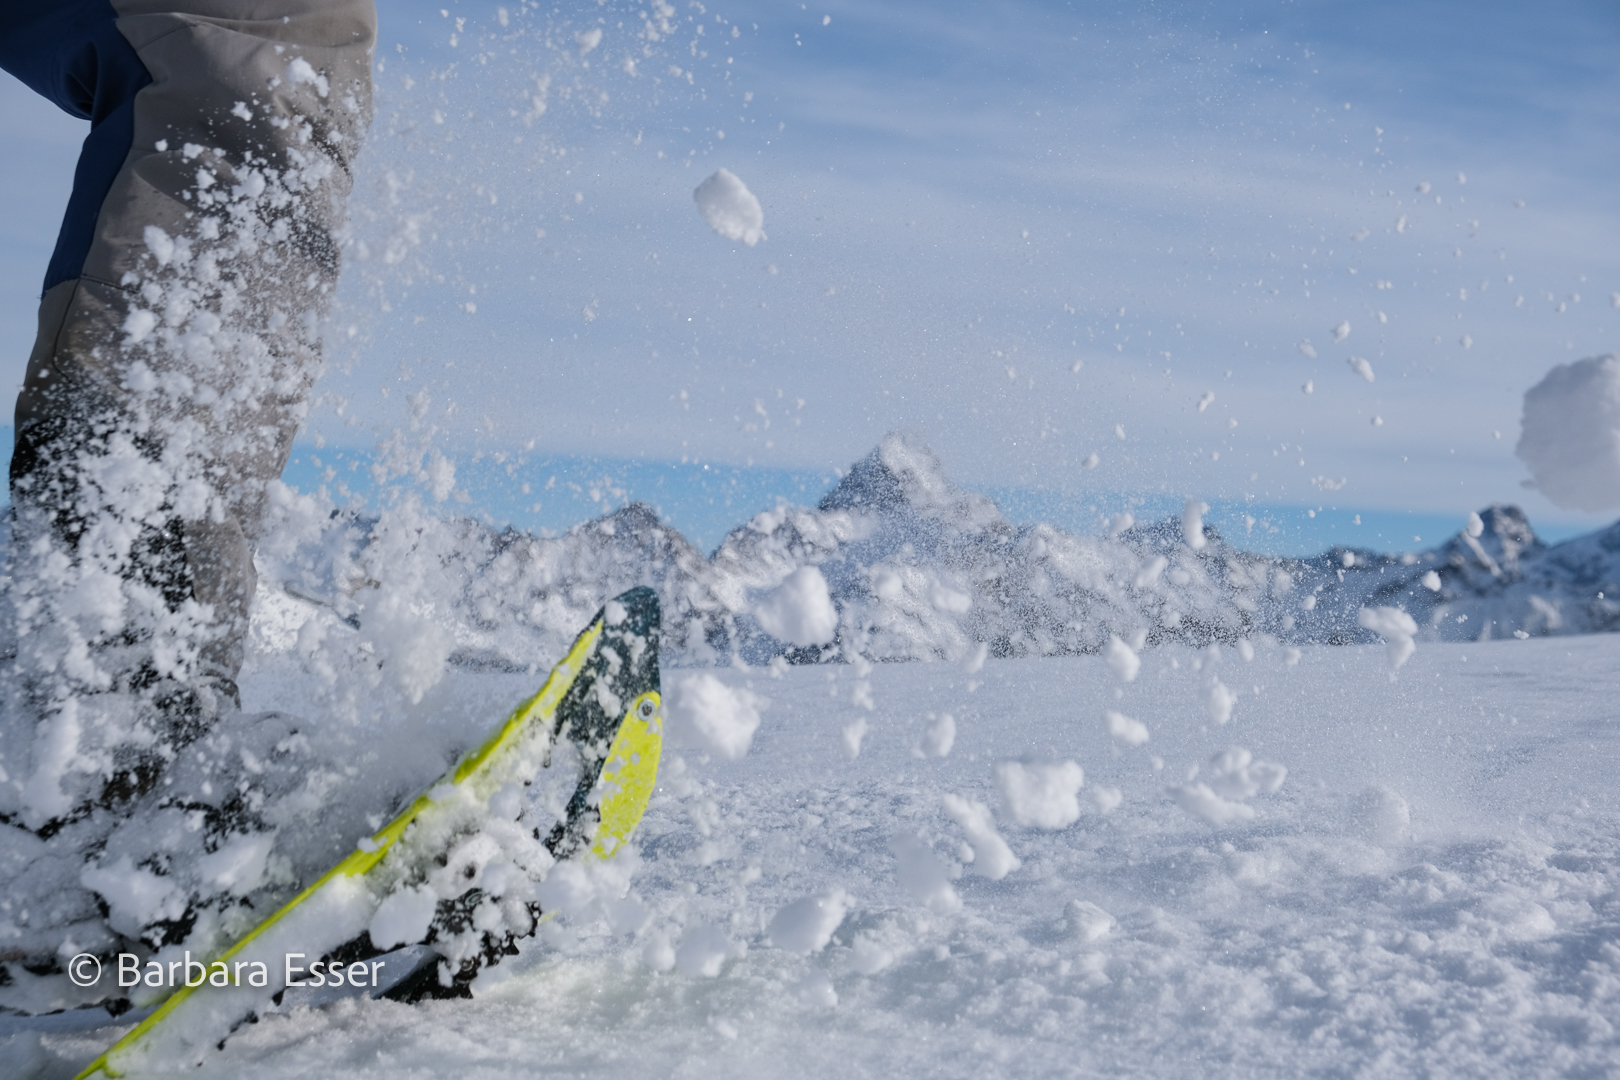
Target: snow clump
(1041, 793)
(1361, 367)
(1192, 524)
(1121, 660)
(1125, 731)
(730, 208)
(805, 926)
(991, 855)
(1218, 700)
(800, 611)
(922, 875)
(938, 737)
(703, 711)
(1571, 434)
(1396, 627)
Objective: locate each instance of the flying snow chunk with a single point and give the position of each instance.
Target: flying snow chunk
(1087, 921)
(1361, 367)
(1121, 660)
(805, 926)
(1218, 701)
(1431, 581)
(703, 951)
(991, 855)
(800, 610)
(1307, 349)
(1571, 434)
(1476, 525)
(1123, 730)
(703, 711)
(938, 737)
(589, 40)
(923, 876)
(1192, 524)
(1206, 400)
(1041, 793)
(1199, 799)
(1396, 627)
(1091, 461)
(1341, 331)
(730, 208)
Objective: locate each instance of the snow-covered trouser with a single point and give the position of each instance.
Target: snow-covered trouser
(177, 344)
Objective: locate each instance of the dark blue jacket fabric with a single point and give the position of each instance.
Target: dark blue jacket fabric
(71, 52)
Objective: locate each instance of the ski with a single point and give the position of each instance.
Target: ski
(567, 776)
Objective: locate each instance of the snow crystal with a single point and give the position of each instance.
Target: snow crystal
(1044, 794)
(403, 917)
(938, 737)
(730, 208)
(1121, 660)
(1396, 627)
(1192, 524)
(1361, 367)
(1218, 700)
(703, 951)
(991, 855)
(799, 611)
(806, 925)
(700, 710)
(921, 874)
(1571, 434)
(1124, 730)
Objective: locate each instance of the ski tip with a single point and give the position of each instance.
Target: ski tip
(636, 610)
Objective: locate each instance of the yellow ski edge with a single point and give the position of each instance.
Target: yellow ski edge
(543, 705)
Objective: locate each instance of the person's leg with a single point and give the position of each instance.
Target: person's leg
(172, 367)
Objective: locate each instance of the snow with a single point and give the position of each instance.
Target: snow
(938, 736)
(1361, 367)
(1125, 731)
(1396, 627)
(806, 925)
(988, 853)
(1429, 891)
(800, 610)
(702, 711)
(1122, 661)
(1192, 524)
(1570, 436)
(730, 209)
(1043, 794)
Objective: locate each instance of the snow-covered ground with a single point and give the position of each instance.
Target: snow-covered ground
(1434, 888)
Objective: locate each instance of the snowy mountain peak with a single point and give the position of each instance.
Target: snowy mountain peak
(904, 477)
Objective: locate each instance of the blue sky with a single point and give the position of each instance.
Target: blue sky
(962, 203)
